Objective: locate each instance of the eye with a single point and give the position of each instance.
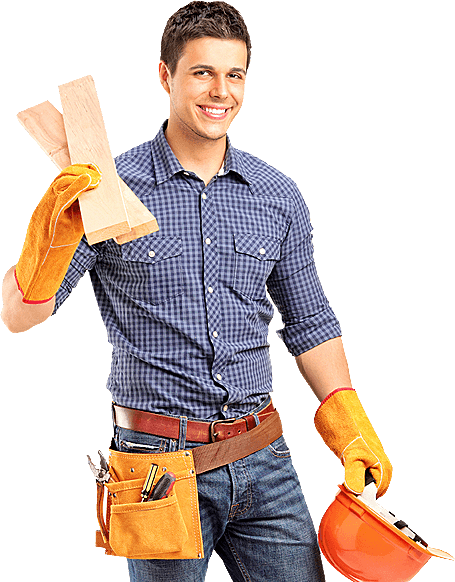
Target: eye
(236, 76)
(202, 73)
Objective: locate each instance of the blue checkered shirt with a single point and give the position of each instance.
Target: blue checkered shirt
(186, 308)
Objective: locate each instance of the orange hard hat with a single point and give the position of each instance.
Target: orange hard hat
(367, 543)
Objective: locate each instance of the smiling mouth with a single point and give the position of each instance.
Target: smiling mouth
(214, 112)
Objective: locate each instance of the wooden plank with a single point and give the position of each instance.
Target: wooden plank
(45, 124)
(141, 220)
(103, 211)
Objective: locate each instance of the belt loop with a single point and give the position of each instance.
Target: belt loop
(256, 418)
(182, 432)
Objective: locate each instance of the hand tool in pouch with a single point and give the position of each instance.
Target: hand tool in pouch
(102, 474)
(148, 483)
(163, 487)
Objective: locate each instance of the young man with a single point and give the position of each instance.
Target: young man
(187, 313)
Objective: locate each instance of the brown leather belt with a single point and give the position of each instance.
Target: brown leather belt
(199, 432)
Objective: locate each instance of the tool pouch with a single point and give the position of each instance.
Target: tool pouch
(166, 529)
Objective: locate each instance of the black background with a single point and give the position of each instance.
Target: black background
(351, 106)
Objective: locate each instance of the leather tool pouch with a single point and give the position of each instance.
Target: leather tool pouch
(168, 528)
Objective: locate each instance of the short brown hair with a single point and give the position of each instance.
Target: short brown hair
(198, 20)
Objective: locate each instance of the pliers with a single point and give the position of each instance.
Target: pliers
(102, 474)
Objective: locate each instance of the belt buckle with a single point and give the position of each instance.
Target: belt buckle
(214, 434)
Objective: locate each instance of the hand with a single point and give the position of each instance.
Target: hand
(346, 430)
(53, 234)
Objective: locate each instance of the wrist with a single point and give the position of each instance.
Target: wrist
(29, 301)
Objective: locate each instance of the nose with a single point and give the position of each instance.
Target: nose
(219, 89)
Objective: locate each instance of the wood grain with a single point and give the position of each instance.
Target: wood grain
(103, 210)
(45, 124)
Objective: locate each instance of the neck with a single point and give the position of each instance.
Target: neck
(197, 154)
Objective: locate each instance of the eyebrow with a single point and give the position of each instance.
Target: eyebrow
(210, 68)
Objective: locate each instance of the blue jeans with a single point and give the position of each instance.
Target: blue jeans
(253, 514)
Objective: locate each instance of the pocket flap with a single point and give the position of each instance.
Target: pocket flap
(259, 246)
(152, 249)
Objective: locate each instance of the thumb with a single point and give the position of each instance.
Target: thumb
(354, 476)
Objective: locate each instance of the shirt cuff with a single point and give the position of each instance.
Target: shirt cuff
(310, 332)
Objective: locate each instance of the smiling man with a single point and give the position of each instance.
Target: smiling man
(187, 314)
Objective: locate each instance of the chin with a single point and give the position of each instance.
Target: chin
(211, 135)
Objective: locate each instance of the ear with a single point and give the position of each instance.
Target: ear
(165, 76)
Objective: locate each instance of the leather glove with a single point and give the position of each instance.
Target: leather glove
(53, 234)
(346, 430)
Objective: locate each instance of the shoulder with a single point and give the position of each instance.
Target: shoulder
(266, 178)
(135, 168)
(137, 157)
(259, 173)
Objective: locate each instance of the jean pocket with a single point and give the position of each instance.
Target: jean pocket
(128, 441)
(255, 257)
(279, 448)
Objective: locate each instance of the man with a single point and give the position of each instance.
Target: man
(187, 313)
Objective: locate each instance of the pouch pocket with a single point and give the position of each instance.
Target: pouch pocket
(136, 529)
(255, 257)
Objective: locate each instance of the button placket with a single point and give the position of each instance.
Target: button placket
(209, 224)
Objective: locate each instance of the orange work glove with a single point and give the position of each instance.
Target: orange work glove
(346, 430)
(53, 234)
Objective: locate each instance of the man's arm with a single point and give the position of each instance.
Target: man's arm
(341, 419)
(325, 368)
(19, 316)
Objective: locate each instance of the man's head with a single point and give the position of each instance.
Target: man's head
(199, 20)
(204, 58)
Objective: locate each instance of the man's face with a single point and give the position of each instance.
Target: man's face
(207, 87)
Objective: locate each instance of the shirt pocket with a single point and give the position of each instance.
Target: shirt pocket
(255, 257)
(154, 268)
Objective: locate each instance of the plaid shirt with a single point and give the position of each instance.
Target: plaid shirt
(186, 308)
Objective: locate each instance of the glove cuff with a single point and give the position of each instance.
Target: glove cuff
(332, 394)
(28, 301)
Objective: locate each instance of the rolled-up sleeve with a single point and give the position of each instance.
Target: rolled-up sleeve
(296, 290)
(84, 259)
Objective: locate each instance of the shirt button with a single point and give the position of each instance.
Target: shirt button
(204, 195)
(151, 254)
(219, 376)
(210, 290)
(262, 251)
(225, 407)
(208, 241)
(215, 334)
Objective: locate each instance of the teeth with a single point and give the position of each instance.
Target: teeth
(214, 111)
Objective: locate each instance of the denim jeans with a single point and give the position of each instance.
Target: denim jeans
(253, 514)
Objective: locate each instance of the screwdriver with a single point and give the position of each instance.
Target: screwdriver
(147, 487)
(163, 487)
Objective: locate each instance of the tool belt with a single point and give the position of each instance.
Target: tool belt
(170, 528)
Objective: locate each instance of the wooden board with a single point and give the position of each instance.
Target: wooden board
(45, 124)
(103, 211)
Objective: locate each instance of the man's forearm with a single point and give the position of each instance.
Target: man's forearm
(19, 316)
(325, 368)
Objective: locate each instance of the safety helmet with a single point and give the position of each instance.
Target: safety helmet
(367, 543)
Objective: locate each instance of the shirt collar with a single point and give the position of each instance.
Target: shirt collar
(166, 164)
